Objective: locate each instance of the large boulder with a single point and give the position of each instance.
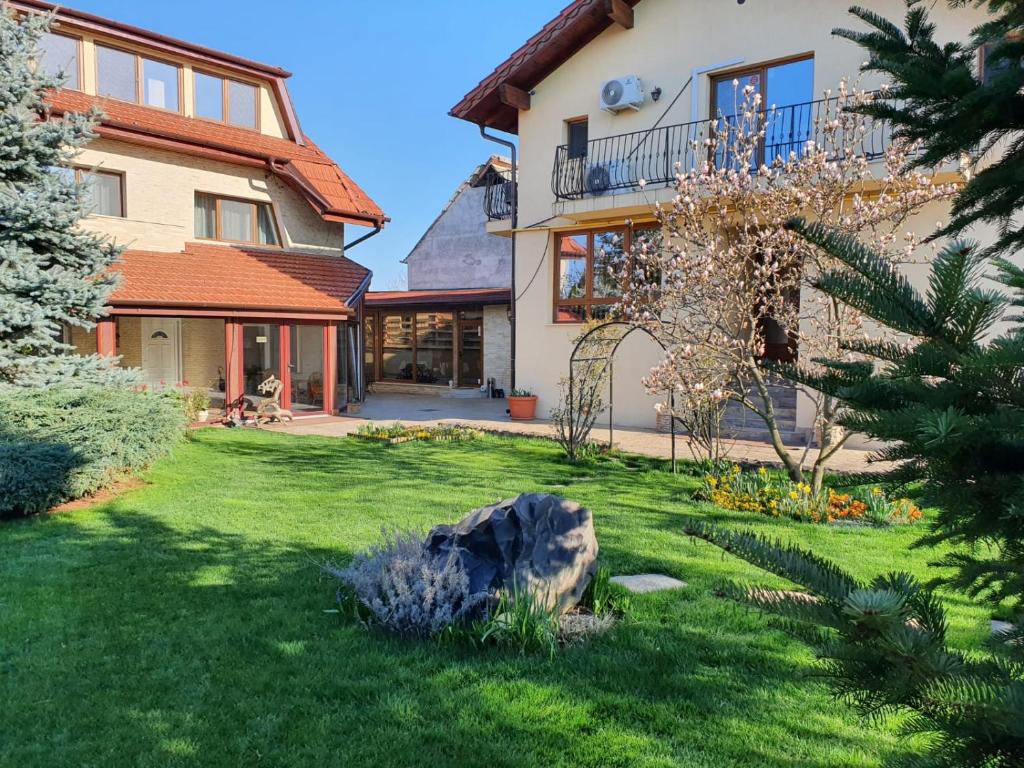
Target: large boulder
(536, 541)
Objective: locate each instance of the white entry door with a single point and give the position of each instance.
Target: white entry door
(161, 351)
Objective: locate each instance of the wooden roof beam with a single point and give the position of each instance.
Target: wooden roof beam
(513, 97)
(620, 12)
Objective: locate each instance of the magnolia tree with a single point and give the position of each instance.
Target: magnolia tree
(729, 291)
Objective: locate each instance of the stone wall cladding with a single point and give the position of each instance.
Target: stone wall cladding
(498, 346)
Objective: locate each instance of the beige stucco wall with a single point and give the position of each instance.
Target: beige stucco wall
(160, 187)
(670, 38)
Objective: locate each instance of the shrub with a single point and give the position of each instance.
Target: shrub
(34, 476)
(408, 590)
(109, 432)
(768, 494)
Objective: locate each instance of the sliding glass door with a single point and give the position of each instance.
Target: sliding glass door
(306, 345)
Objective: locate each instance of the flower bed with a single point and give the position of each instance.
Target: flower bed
(768, 494)
(393, 434)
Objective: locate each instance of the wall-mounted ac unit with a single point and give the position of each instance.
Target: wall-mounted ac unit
(604, 177)
(622, 93)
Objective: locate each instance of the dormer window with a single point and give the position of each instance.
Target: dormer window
(226, 100)
(234, 220)
(59, 55)
(130, 77)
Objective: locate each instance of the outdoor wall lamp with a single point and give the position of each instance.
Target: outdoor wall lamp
(656, 93)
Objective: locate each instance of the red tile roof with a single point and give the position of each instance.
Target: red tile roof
(207, 276)
(440, 296)
(303, 166)
(578, 23)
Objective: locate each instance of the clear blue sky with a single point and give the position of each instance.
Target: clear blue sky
(372, 81)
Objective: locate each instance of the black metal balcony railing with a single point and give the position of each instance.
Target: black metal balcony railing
(620, 162)
(499, 192)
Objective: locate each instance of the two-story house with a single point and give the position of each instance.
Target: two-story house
(449, 333)
(612, 92)
(234, 221)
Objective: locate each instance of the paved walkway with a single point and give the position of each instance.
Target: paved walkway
(489, 415)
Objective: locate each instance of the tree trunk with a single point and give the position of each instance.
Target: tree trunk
(792, 465)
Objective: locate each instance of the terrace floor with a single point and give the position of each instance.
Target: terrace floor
(490, 416)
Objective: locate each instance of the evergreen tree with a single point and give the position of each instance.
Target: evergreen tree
(52, 274)
(948, 404)
(882, 646)
(956, 110)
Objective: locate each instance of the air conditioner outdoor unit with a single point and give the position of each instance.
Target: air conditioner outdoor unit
(622, 93)
(603, 177)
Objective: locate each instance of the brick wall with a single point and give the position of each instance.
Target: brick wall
(83, 341)
(202, 350)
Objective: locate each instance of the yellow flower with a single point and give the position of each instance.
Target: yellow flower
(762, 471)
(794, 495)
(876, 491)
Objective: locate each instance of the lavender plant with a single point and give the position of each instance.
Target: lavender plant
(407, 589)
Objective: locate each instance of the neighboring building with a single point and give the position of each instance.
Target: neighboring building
(449, 333)
(234, 220)
(580, 165)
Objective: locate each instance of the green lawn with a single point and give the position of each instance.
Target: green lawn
(185, 624)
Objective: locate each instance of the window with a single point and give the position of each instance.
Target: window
(104, 190)
(576, 133)
(227, 218)
(130, 77)
(788, 86)
(225, 100)
(58, 56)
(589, 266)
(417, 346)
(989, 68)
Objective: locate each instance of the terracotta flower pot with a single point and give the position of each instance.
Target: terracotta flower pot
(522, 408)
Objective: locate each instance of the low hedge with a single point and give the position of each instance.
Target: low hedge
(60, 444)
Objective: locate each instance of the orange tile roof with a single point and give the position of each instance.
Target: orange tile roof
(207, 276)
(575, 26)
(304, 166)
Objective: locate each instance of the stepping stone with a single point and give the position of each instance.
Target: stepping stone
(642, 583)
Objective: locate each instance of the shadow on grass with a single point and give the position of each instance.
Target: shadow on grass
(145, 635)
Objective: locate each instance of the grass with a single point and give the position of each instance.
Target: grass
(186, 623)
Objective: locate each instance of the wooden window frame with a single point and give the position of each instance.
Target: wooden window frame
(79, 63)
(225, 101)
(255, 221)
(377, 347)
(569, 123)
(588, 300)
(79, 170)
(140, 88)
(761, 68)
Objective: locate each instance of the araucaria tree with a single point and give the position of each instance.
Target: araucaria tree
(942, 100)
(52, 273)
(727, 288)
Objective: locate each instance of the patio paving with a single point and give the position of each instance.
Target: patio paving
(489, 415)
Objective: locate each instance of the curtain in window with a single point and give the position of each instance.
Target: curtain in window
(116, 73)
(105, 193)
(206, 216)
(236, 220)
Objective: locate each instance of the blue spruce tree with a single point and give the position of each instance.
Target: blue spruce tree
(53, 274)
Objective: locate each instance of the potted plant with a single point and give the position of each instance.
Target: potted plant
(522, 405)
(197, 405)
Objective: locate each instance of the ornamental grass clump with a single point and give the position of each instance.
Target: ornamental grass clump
(399, 585)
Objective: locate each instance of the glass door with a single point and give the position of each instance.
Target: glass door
(261, 357)
(306, 343)
(471, 351)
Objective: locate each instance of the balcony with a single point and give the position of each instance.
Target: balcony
(618, 163)
(499, 194)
